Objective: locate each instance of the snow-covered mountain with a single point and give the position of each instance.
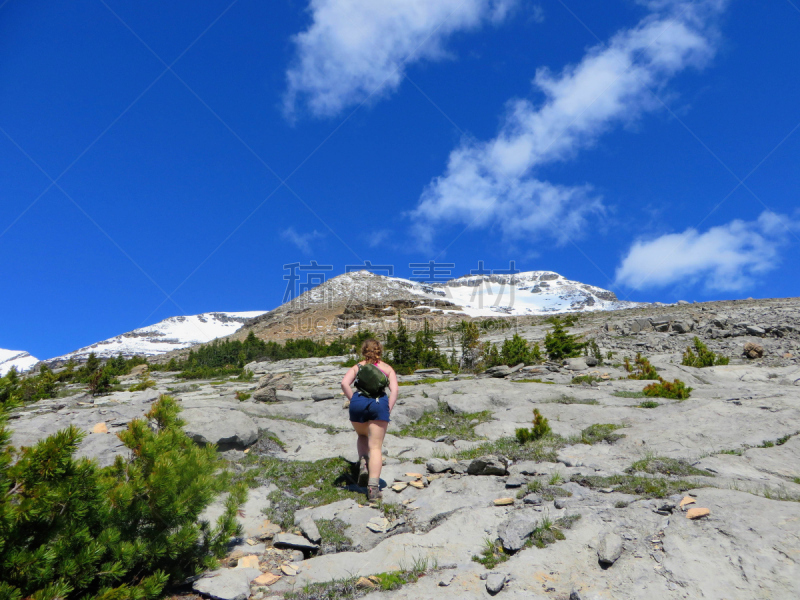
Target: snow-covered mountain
(170, 334)
(526, 293)
(15, 358)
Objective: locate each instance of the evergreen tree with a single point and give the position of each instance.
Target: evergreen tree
(515, 351)
(70, 530)
(559, 344)
(470, 343)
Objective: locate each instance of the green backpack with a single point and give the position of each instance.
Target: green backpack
(371, 381)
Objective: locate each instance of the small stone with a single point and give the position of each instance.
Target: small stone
(574, 595)
(378, 524)
(515, 481)
(687, 500)
(417, 484)
(416, 475)
(365, 584)
(288, 540)
(309, 529)
(266, 579)
(534, 499)
(400, 486)
(495, 583)
(609, 549)
(100, 428)
(248, 562)
(251, 542)
(296, 556)
(697, 513)
(321, 394)
(503, 501)
(560, 503)
(488, 465)
(289, 570)
(375, 579)
(447, 579)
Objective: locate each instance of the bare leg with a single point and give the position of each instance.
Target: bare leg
(362, 444)
(377, 431)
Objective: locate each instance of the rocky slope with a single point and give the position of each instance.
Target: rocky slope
(19, 359)
(364, 299)
(610, 514)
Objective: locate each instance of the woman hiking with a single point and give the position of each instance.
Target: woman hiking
(369, 412)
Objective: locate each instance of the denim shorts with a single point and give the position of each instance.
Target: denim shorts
(363, 409)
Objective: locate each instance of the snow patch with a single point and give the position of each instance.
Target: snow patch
(19, 359)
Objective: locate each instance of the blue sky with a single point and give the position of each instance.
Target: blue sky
(162, 159)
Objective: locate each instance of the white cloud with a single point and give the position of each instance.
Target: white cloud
(494, 183)
(354, 48)
(729, 257)
(301, 240)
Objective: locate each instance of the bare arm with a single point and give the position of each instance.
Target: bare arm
(348, 380)
(393, 388)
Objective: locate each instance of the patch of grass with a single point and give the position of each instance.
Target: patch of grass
(547, 492)
(543, 449)
(666, 466)
(599, 432)
(621, 504)
(492, 554)
(142, 385)
(796, 480)
(549, 531)
(425, 381)
(444, 421)
(648, 487)
(555, 479)
(333, 536)
(735, 452)
(240, 395)
(564, 399)
(624, 394)
(648, 404)
(534, 380)
(303, 484)
(588, 379)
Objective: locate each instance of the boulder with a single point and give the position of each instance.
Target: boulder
(753, 330)
(609, 549)
(269, 384)
(227, 428)
(227, 584)
(499, 371)
(514, 531)
(575, 364)
(438, 465)
(681, 327)
(591, 361)
(489, 464)
(320, 394)
(433, 371)
(753, 350)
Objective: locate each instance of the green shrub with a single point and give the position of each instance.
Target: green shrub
(592, 349)
(704, 356)
(600, 432)
(676, 390)
(540, 429)
(240, 395)
(641, 369)
(648, 404)
(559, 344)
(516, 351)
(69, 529)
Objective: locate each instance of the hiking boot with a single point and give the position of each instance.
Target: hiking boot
(363, 472)
(374, 493)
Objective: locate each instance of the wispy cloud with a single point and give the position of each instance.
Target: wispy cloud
(354, 49)
(494, 183)
(730, 257)
(301, 240)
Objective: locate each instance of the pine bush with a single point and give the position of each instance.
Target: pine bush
(540, 429)
(704, 356)
(676, 389)
(69, 529)
(641, 369)
(516, 351)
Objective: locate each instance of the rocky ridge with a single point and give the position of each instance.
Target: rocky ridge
(724, 526)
